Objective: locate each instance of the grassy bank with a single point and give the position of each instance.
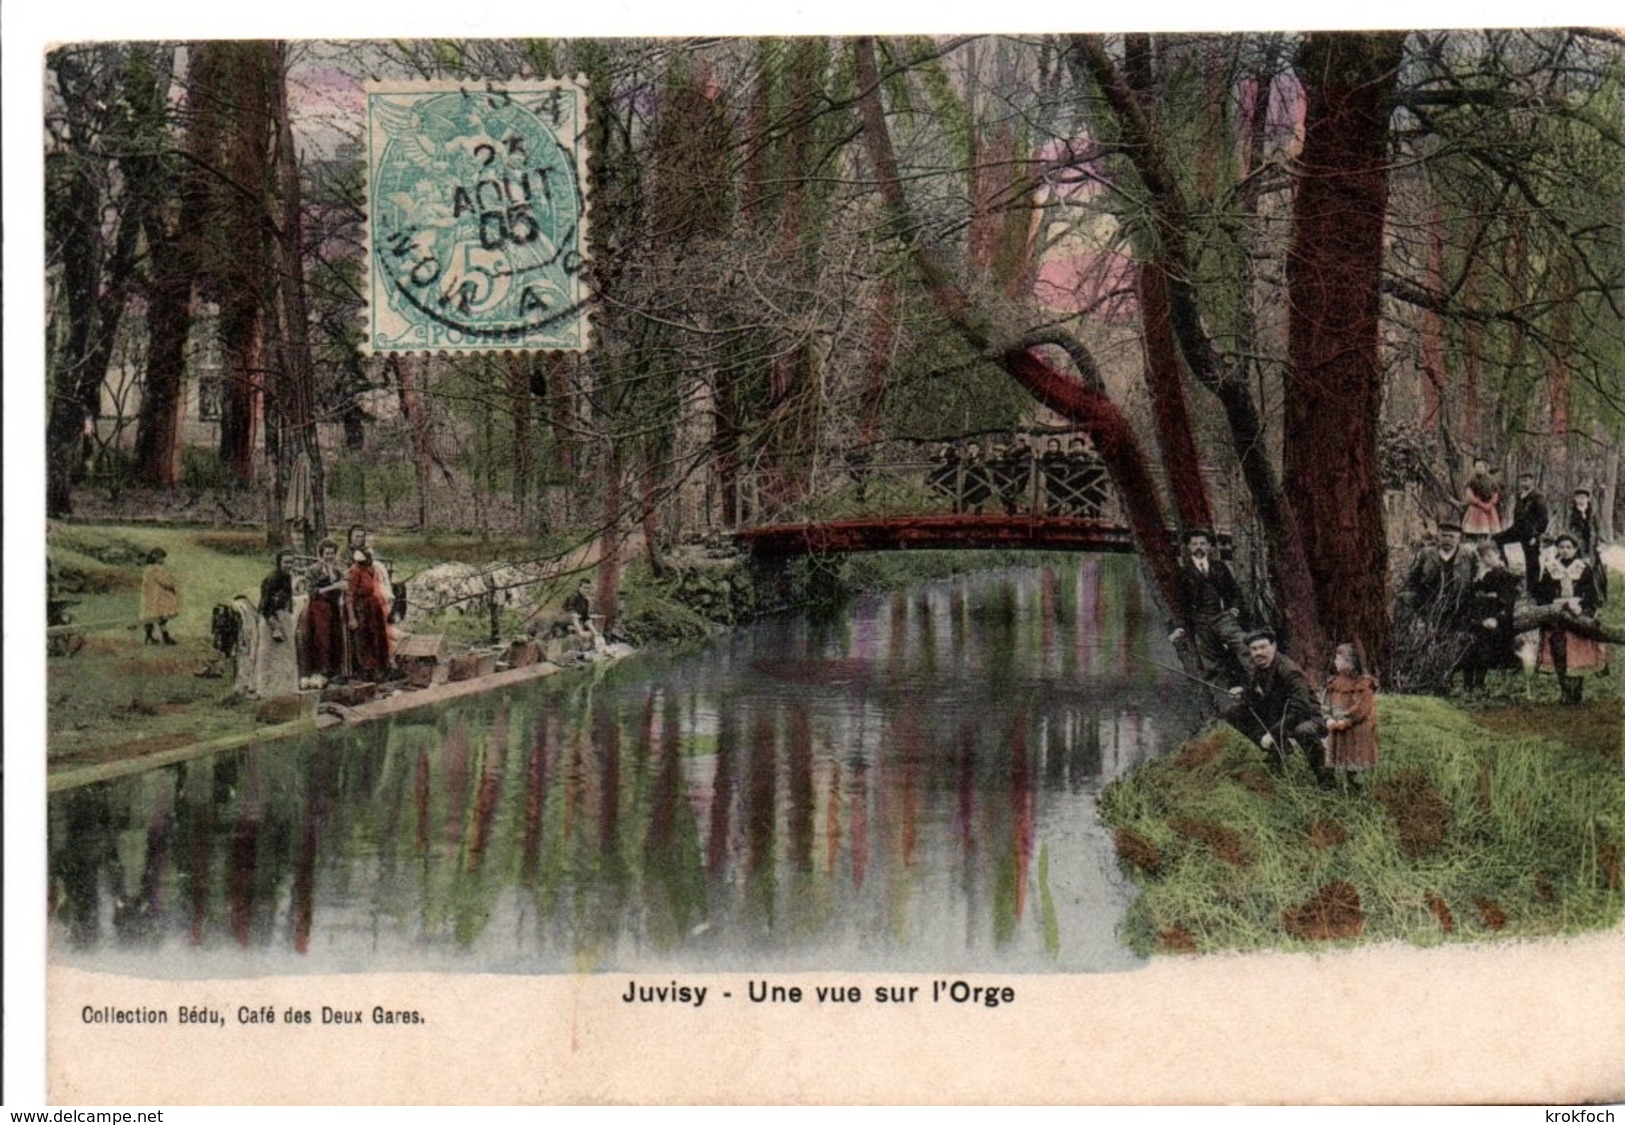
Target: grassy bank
(119, 697)
(1462, 831)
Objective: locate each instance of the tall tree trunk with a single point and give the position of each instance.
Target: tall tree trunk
(230, 180)
(519, 372)
(419, 436)
(790, 426)
(1559, 374)
(882, 337)
(559, 411)
(725, 445)
(649, 518)
(94, 312)
(242, 400)
(298, 398)
(609, 541)
(169, 323)
(96, 281)
(1333, 398)
(1433, 344)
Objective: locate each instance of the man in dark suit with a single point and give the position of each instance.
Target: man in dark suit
(1438, 586)
(1276, 707)
(1529, 517)
(1210, 608)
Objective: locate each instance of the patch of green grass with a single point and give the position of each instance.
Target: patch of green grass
(1531, 834)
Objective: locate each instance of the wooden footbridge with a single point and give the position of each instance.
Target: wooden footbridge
(1056, 502)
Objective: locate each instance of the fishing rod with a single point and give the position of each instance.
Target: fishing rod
(1280, 742)
(1187, 675)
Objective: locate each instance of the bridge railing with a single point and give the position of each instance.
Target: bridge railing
(1072, 487)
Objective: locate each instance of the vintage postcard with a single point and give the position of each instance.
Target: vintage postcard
(954, 567)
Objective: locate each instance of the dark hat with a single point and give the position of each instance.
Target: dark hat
(1582, 492)
(1450, 526)
(1205, 533)
(1566, 538)
(1261, 635)
(1526, 475)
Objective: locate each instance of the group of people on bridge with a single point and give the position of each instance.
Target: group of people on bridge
(1070, 482)
(1460, 596)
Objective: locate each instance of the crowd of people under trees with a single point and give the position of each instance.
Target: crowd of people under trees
(1459, 595)
(1456, 604)
(1011, 478)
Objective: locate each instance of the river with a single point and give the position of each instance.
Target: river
(912, 786)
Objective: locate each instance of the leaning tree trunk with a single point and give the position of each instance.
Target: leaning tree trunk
(1081, 400)
(1333, 399)
(1164, 372)
(1289, 570)
(1165, 377)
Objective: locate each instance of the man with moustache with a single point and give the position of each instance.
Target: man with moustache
(1439, 584)
(1276, 707)
(1210, 608)
(1434, 607)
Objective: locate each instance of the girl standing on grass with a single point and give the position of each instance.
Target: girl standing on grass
(1350, 702)
(160, 596)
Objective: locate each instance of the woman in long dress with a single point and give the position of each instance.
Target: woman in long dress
(276, 656)
(368, 619)
(1569, 583)
(1350, 702)
(1582, 524)
(321, 644)
(1481, 502)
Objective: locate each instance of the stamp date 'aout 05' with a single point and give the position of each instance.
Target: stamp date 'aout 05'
(477, 216)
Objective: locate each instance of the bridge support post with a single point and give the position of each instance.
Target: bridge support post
(770, 580)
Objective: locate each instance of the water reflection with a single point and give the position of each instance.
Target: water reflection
(912, 786)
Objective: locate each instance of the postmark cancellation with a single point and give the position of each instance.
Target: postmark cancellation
(477, 216)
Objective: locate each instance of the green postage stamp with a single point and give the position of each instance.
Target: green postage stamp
(477, 216)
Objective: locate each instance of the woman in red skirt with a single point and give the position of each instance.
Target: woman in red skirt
(321, 642)
(368, 619)
(1569, 584)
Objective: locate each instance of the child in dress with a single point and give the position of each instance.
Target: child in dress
(1350, 702)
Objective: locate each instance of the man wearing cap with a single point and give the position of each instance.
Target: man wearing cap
(1276, 707)
(1439, 584)
(1529, 518)
(1210, 608)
